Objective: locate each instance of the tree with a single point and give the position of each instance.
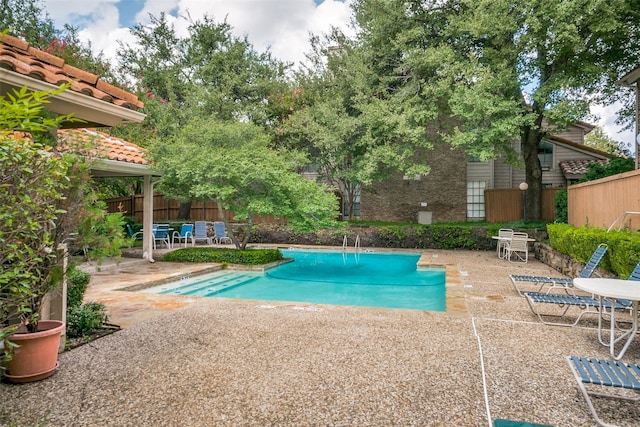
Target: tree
(231, 163)
(353, 137)
(615, 166)
(600, 140)
(503, 71)
(207, 74)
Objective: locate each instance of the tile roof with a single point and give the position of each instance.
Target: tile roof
(103, 146)
(16, 55)
(578, 167)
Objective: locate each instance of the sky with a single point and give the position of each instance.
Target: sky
(283, 26)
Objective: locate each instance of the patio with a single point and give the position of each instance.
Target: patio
(189, 361)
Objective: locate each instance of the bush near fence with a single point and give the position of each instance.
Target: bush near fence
(409, 236)
(580, 242)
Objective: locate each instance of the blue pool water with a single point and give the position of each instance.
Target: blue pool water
(338, 278)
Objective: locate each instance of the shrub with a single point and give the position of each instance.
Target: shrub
(85, 319)
(579, 243)
(221, 255)
(78, 281)
(560, 204)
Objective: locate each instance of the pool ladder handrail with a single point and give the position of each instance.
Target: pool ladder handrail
(345, 243)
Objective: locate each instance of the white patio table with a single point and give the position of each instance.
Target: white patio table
(614, 289)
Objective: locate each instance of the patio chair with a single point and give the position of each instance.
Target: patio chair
(588, 304)
(220, 233)
(599, 375)
(135, 236)
(185, 233)
(200, 232)
(560, 282)
(504, 234)
(517, 248)
(161, 234)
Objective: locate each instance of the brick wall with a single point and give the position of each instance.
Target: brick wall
(444, 190)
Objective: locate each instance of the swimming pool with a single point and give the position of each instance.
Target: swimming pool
(389, 280)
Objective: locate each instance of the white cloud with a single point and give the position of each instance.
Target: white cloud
(281, 25)
(607, 115)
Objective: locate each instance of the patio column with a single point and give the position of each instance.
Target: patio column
(147, 219)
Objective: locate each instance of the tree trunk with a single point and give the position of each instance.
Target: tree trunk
(184, 210)
(531, 137)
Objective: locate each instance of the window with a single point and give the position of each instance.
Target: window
(545, 154)
(475, 200)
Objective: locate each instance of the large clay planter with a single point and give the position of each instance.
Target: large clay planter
(37, 356)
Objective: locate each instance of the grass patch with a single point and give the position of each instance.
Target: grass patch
(223, 255)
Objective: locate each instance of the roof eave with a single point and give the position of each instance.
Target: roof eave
(113, 168)
(89, 109)
(630, 78)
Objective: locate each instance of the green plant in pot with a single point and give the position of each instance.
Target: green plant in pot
(43, 195)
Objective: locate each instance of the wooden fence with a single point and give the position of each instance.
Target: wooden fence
(505, 205)
(602, 202)
(167, 210)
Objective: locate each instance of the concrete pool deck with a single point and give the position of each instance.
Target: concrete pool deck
(204, 362)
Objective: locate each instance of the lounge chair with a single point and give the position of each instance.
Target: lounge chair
(200, 232)
(135, 236)
(560, 282)
(185, 233)
(589, 304)
(220, 233)
(161, 234)
(517, 248)
(604, 373)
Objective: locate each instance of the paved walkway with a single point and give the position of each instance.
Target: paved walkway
(204, 362)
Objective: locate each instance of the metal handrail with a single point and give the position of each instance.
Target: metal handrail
(621, 217)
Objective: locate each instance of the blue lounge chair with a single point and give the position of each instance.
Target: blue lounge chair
(604, 373)
(560, 282)
(135, 236)
(161, 234)
(220, 233)
(200, 232)
(587, 304)
(185, 233)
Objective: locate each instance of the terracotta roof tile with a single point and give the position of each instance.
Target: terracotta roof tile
(578, 167)
(16, 55)
(102, 145)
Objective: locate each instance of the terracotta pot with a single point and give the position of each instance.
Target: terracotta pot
(37, 356)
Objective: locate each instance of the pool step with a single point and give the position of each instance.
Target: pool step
(213, 289)
(210, 285)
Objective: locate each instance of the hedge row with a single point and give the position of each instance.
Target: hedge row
(225, 256)
(437, 236)
(579, 243)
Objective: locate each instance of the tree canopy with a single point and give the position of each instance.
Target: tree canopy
(535, 72)
(232, 164)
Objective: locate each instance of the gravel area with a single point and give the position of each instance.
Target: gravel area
(217, 362)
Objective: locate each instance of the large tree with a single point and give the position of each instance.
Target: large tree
(231, 163)
(207, 73)
(353, 137)
(502, 70)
